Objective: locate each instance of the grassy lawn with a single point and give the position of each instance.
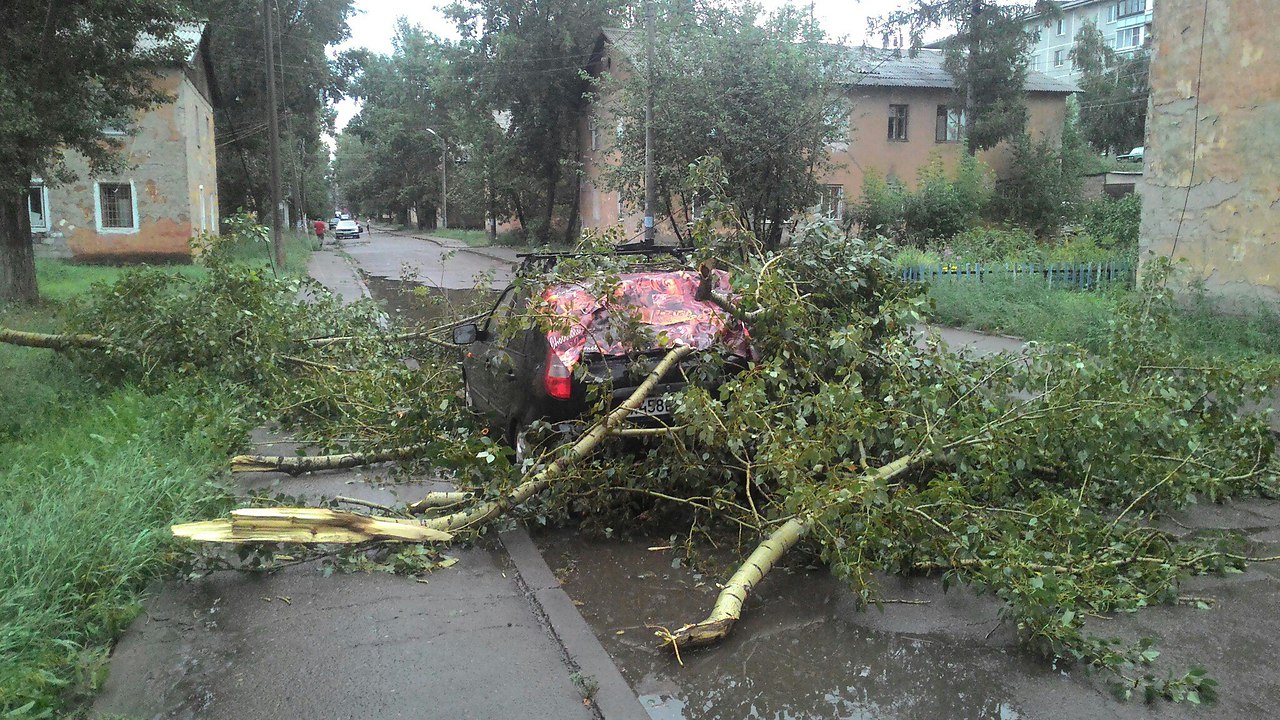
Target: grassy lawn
(1027, 308)
(90, 479)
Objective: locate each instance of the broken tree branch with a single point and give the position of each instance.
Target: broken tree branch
(307, 525)
(298, 464)
(582, 448)
(52, 342)
(728, 606)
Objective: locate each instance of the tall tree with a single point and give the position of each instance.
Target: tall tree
(69, 70)
(525, 58)
(987, 56)
(1115, 88)
(308, 81)
(759, 94)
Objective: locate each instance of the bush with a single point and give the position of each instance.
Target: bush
(879, 212)
(1039, 192)
(943, 207)
(1114, 222)
(994, 245)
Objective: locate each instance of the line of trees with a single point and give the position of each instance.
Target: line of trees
(503, 107)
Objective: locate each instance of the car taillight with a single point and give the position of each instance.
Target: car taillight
(557, 378)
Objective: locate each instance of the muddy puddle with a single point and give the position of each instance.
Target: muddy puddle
(412, 305)
(802, 650)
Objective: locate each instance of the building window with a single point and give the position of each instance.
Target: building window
(898, 123)
(116, 207)
(1111, 13)
(1034, 64)
(1059, 58)
(38, 207)
(950, 126)
(1127, 38)
(1126, 8)
(831, 204)
(1062, 26)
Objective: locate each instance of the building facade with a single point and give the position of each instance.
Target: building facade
(167, 193)
(1211, 189)
(1125, 24)
(903, 115)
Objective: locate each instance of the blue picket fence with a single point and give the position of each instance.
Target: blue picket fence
(1076, 276)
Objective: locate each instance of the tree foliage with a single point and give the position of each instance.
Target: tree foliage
(308, 82)
(761, 94)
(1115, 88)
(523, 61)
(69, 71)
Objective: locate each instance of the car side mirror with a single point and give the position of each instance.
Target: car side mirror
(465, 334)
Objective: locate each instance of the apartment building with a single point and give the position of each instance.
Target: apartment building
(1126, 25)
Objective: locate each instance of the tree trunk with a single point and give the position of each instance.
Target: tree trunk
(17, 256)
(549, 214)
(970, 99)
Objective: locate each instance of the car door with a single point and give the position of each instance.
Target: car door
(496, 364)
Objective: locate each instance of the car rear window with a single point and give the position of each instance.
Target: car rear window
(662, 303)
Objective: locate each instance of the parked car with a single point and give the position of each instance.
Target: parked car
(517, 370)
(1134, 155)
(346, 229)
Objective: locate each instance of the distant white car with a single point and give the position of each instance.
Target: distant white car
(346, 229)
(1134, 155)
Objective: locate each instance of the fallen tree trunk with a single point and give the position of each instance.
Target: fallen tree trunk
(307, 525)
(52, 342)
(585, 446)
(728, 606)
(440, 499)
(298, 464)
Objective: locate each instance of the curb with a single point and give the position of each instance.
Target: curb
(614, 698)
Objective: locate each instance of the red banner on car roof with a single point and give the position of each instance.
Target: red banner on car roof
(663, 303)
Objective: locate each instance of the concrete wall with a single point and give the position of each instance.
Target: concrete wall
(1216, 157)
(173, 173)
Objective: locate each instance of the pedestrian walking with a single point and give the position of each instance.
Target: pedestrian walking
(320, 228)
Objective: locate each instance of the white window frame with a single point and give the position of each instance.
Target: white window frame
(35, 184)
(97, 208)
(1062, 26)
(1135, 31)
(1059, 58)
(836, 194)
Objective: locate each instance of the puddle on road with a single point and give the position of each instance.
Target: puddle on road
(413, 305)
(801, 651)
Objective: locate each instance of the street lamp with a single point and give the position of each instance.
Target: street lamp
(444, 181)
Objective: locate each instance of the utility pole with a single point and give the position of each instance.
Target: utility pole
(273, 128)
(444, 181)
(650, 182)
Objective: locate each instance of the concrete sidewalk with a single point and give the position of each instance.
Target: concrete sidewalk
(493, 636)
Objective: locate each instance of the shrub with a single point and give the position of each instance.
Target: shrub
(943, 207)
(879, 212)
(1114, 222)
(1039, 192)
(994, 245)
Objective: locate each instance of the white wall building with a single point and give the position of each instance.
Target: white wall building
(1126, 25)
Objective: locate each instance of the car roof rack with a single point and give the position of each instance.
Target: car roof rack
(548, 260)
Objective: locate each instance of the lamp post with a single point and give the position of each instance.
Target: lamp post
(444, 181)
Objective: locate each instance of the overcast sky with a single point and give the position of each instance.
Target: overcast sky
(373, 26)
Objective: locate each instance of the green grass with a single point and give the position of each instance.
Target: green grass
(473, 238)
(298, 247)
(1028, 309)
(90, 480)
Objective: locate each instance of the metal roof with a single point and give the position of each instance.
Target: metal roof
(867, 66)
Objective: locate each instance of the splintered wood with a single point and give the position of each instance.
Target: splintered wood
(307, 525)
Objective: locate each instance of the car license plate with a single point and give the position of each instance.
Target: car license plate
(654, 405)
